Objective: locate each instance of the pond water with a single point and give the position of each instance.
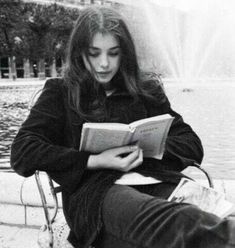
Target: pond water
(208, 108)
(14, 102)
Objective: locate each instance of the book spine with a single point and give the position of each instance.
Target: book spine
(163, 141)
(84, 137)
(128, 138)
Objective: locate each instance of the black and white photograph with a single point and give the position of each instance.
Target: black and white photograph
(117, 123)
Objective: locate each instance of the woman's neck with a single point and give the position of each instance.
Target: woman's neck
(108, 88)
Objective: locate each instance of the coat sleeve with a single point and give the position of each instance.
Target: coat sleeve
(183, 146)
(39, 142)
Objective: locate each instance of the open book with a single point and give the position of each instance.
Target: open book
(208, 199)
(149, 133)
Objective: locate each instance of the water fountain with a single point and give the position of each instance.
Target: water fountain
(192, 42)
(186, 40)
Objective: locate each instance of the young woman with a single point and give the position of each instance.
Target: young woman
(103, 83)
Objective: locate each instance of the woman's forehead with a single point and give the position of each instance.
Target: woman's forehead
(104, 40)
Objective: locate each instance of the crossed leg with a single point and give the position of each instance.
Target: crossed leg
(134, 219)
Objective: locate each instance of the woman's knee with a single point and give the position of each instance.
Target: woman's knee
(121, 205)
(141, 219)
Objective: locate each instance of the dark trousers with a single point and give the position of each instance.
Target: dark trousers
(140, 217)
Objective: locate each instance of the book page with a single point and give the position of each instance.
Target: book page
(150, 133)
(98, 140)
(207, 199)
(106, 125)
(151, 136)
(134, 178)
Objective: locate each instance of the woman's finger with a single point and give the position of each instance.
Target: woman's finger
(129, 159)
(124, 150)
(137, 162)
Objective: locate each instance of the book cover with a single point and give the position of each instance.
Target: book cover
(207, 199)
(150, 134)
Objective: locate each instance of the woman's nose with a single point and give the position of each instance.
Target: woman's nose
(104, 62)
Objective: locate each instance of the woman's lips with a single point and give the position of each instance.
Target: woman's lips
(104, 73)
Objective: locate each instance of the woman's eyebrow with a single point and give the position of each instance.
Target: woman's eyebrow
(94, 48)
(97, 48)
(113, 48)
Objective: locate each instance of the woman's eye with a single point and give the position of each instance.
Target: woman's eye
(93, 54)
(96, 54)
(113, 54)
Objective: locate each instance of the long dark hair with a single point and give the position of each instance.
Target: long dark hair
(78, 79)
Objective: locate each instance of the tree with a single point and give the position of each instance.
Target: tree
(62, 23)
(48, 30)
(34, 32)
(10, 21)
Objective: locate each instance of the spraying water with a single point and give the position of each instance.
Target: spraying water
(190, 40)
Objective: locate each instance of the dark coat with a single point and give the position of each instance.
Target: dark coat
(49, 141)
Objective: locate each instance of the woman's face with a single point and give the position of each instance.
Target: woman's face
(104, 55)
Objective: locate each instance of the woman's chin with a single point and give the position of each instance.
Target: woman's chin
(106, 83)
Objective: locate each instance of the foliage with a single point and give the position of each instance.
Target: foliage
(10, 26)
(34, 31)
(48, 29)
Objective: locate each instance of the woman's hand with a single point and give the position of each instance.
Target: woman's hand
(122, 158)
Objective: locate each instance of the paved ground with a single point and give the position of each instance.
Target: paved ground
(21, 81)
(18, 237)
